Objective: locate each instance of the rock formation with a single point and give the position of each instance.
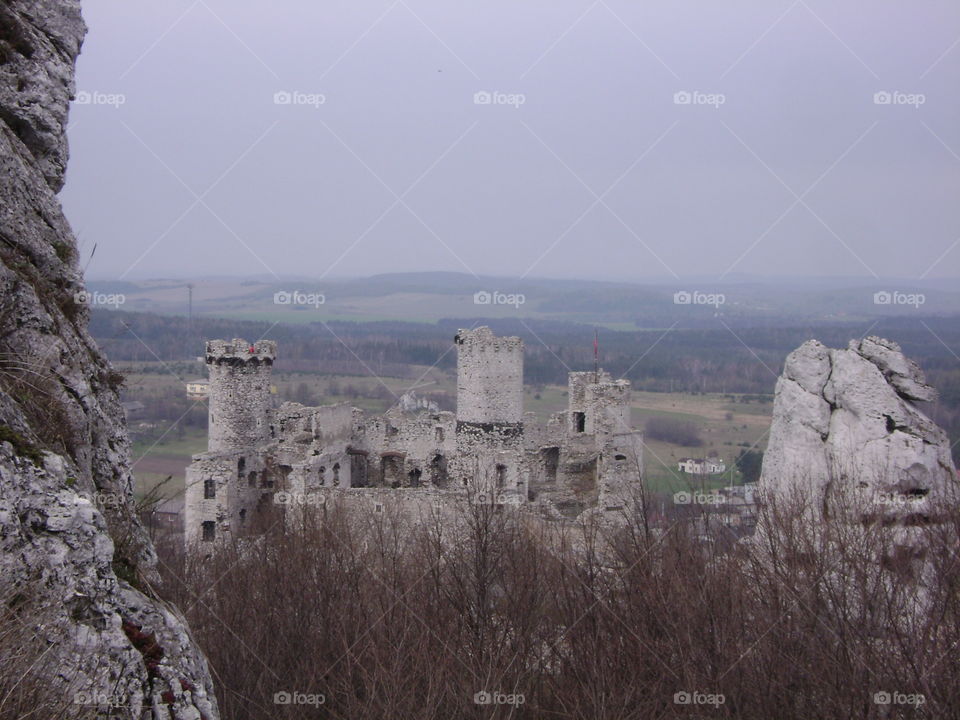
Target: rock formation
(69, 537)
(847, 421)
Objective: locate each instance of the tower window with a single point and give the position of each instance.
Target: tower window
(501, 475)
(209, 530)
(209, 489)
(580, 422)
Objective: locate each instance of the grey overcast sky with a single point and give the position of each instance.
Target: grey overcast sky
(621, 140)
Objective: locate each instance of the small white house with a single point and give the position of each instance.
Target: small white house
(701, 466)
(198, 388)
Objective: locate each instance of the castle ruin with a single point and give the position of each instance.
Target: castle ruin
(262, 461)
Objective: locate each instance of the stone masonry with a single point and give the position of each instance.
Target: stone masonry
(264, 465)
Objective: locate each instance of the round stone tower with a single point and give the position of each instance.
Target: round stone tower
(239, 393)
(489, 378)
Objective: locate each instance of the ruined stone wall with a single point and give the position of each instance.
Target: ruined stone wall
(240, 482)
(620, 472)
(239, 400)
(597, 404)
(407, 450)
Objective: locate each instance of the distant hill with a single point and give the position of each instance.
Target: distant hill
(432, 296)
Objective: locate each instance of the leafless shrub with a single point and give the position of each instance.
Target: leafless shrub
(381, 617)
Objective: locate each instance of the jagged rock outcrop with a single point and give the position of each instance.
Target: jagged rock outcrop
(846, 421)
(69, 536)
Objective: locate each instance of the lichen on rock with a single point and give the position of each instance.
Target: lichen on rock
(63, 442)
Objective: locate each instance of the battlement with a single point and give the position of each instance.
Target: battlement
(239, 351)
(239, 399)
(482, 339)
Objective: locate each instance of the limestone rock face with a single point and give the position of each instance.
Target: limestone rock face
(847, 420)
(68, 531)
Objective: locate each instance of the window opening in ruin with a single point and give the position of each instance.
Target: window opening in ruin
(580, 422)
(438, 471)
(241, 464)
(438, 433)
(243, 515)
(322, 474)
(501, 475)
(414, 477)
(336, 474)
(209, 489)
(252, 479)
(551, 461)
(209, 530)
